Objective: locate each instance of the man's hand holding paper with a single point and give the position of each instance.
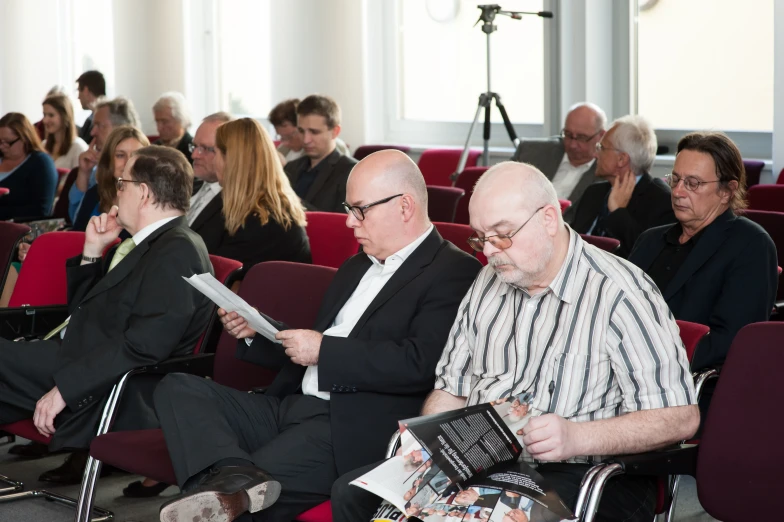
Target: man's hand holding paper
(235, 324)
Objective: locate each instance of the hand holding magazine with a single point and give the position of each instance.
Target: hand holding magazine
(463, 465)
(231, 302)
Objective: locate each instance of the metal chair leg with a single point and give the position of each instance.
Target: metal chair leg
(585, 489)
(12, 485)
(102, 515)
(610, 470)
(84, 505)
(670, 513)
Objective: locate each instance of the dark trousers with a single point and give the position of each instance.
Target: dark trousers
(625, 499)
(26, 370)
(204, 423)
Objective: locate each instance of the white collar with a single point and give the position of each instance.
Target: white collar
(144, 233)
(402, 254)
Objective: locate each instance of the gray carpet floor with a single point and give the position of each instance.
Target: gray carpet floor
(109, 495)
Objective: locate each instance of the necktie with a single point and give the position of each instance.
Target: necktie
(197, 202)
(122, 251)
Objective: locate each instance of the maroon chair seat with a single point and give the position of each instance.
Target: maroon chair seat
(753, 171)
(142, 452)
(366, 150)
(437, 165)
(766, 197)
(320, 513)
(442, 203)
(466, 181)
(773, 223)
(608, 244)
(331, 241)
(565, 203)
(458, 235)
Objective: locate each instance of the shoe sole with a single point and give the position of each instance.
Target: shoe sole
(211, 506)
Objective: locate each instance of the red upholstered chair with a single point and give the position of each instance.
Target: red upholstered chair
(366, 150)
(458, 235)
(10, 236)
(153, 138)
(61, 205)
(466, 181)
(438, 165)
(331, 241)
(442, 203)
(609, 244)
(289, 292)
(565, 203)
(780, 179)
(773, 223)
(753, 171)
(766, 197)
(4, 191)
(61, 173)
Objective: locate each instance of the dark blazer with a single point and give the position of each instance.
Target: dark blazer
(546, 155)
(183, 146)
(728, 281)
(140, 313)
(209, 224)
(254, 243)
(32, 185)
(328, 191)
(382, 372)
(650, 206)
(86, 128)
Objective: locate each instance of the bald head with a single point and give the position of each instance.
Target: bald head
(393, 171)
(588, 114)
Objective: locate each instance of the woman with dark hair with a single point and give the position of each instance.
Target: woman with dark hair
(62, 142)
(25, 170)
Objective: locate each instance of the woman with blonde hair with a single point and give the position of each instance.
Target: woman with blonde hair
(62, 142)
(264, 218)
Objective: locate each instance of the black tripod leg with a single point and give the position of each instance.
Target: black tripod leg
(507, 123)
(486, 132)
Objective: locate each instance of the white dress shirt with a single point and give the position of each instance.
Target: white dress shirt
(201, 199)
(368, 288)
(568, 176)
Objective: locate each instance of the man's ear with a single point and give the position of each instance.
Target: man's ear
(335, 131)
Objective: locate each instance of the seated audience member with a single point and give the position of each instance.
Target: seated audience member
(25, 170)
(61, 142)
(172, 117)
(284, 118)
(108, 114)
(568, 160)
(205, 216)
(584, 331)
(630, 201)
(129, 310)
(713, 266)
(39, 125)
(319, 178)
(343, 386)
(91, 87)
(263, 218)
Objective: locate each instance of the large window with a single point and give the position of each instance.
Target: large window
(706, 64)
(441, 65)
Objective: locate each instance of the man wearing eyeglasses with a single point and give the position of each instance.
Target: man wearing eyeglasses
(343, 386)
(205, 215)
(713, 266)
(630, 200)
(568, 160)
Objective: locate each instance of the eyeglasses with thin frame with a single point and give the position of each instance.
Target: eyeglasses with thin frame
(500, 241)
(565, 134)
(10, 143)
(192, 147)
(601, 147)
(359, 211)
(118, 182)
(690, 183)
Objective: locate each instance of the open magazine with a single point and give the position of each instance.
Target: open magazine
(463, 465)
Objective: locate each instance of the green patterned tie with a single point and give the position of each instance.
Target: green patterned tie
(122, 251)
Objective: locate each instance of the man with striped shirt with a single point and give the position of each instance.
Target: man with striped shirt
(588, 333)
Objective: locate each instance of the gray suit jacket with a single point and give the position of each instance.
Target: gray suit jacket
(546, 155)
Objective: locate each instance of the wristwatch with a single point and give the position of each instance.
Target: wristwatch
(90, 259)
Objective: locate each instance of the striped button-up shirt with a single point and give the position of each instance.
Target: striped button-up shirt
(599, 342)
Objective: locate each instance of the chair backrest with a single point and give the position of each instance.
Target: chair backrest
(691, 335)
(366, 150)
(10, 236)
(753, 171)
(437, 165)
(62, 173)
(466, 181)
(742, 485)
(780, 179)
(61, 205)
(287, 292)
(565, 203)
(458, 235)
(608, 244)
(331, 241)
(766, 197)
(42, 280)
(773, 223)
(442, 203)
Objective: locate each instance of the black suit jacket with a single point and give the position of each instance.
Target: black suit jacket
(383, 370)
(140, 313)
(728, 281)
(328, 191)
(183, 146)
(650, 206)
(254, 243)
(210, 225)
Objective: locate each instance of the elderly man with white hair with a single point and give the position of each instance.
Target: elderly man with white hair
(173, 117)
(630, 201)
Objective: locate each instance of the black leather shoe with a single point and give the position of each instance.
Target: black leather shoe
(71, 471)
(30, 450)
(223, 495)
(138, 490)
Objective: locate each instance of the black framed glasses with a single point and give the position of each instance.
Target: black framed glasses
(192, 147)
(118, 183)
(359, 212)
(582, 138)
(690, 183)
(500, 241)
(10, 143)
